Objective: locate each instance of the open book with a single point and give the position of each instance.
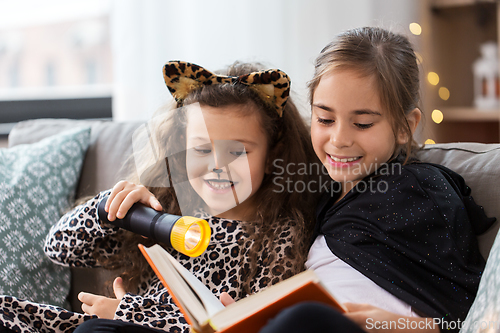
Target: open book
(205, 313)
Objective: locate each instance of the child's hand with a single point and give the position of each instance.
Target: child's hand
(373, 319)
(103, 307)
(124, 195)
(225, 299)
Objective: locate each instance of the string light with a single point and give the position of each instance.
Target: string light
(433, 78)
(437, 116)
(444, 93)
(415, 28)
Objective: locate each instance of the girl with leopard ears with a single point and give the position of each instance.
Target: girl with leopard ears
(260, 241)
(246, 90)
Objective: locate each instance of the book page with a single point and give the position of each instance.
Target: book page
(211, 303)
(178, 288)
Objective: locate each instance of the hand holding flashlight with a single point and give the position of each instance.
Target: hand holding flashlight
(186, 234)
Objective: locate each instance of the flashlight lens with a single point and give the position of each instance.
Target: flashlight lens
(192, 237)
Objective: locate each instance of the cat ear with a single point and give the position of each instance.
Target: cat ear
(273, 85)
(183, 77)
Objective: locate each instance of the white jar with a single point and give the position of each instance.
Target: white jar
(486, 78)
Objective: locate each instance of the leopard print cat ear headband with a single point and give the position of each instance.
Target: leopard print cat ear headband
(272, 85)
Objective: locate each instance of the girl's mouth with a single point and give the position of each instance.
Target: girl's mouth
(343, 161)
(219, 185)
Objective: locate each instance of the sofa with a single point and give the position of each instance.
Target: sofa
(110, 143)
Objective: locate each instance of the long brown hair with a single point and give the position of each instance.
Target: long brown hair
(390, 59)
(276, 204)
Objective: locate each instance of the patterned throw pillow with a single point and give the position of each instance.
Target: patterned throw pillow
(484, 314)
(37, 185)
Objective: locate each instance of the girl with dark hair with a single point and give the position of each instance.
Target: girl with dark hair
(217, 151)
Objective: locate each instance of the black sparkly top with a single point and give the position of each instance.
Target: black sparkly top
(412, 230)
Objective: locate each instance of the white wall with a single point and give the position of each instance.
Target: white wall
(286, 34)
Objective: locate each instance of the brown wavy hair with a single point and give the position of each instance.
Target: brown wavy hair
(289, 145)
(391, 60)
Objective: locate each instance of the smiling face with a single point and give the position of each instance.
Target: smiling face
(351, 131)
(226, 158)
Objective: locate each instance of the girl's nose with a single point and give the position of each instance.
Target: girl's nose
(215, 167)
(213, 164)
(340, 136)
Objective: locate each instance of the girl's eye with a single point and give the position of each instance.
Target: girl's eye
(238, 153)
(202, 150)
(325, 121)
(364, 126)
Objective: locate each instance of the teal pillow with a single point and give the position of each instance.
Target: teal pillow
(484, 314)
(37, 185)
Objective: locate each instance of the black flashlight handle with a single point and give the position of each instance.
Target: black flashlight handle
(143, 220)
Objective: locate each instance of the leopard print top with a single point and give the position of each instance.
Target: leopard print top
(73, 239)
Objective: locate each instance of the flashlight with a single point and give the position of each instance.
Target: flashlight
(186, 234)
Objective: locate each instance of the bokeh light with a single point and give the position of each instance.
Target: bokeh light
(415, 28)
(444, 93)
(433, 78)
(437, 116)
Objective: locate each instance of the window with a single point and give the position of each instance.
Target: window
(50, 76)
(54, 63)
(13, 79)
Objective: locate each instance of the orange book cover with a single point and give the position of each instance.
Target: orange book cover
(246, 315)
(311, 291)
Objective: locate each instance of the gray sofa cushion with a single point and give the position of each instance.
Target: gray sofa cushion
(37, 182)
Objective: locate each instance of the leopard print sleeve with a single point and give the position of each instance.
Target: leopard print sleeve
(152, 307)
(275, 265)
(72, 240)
(28, 317)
